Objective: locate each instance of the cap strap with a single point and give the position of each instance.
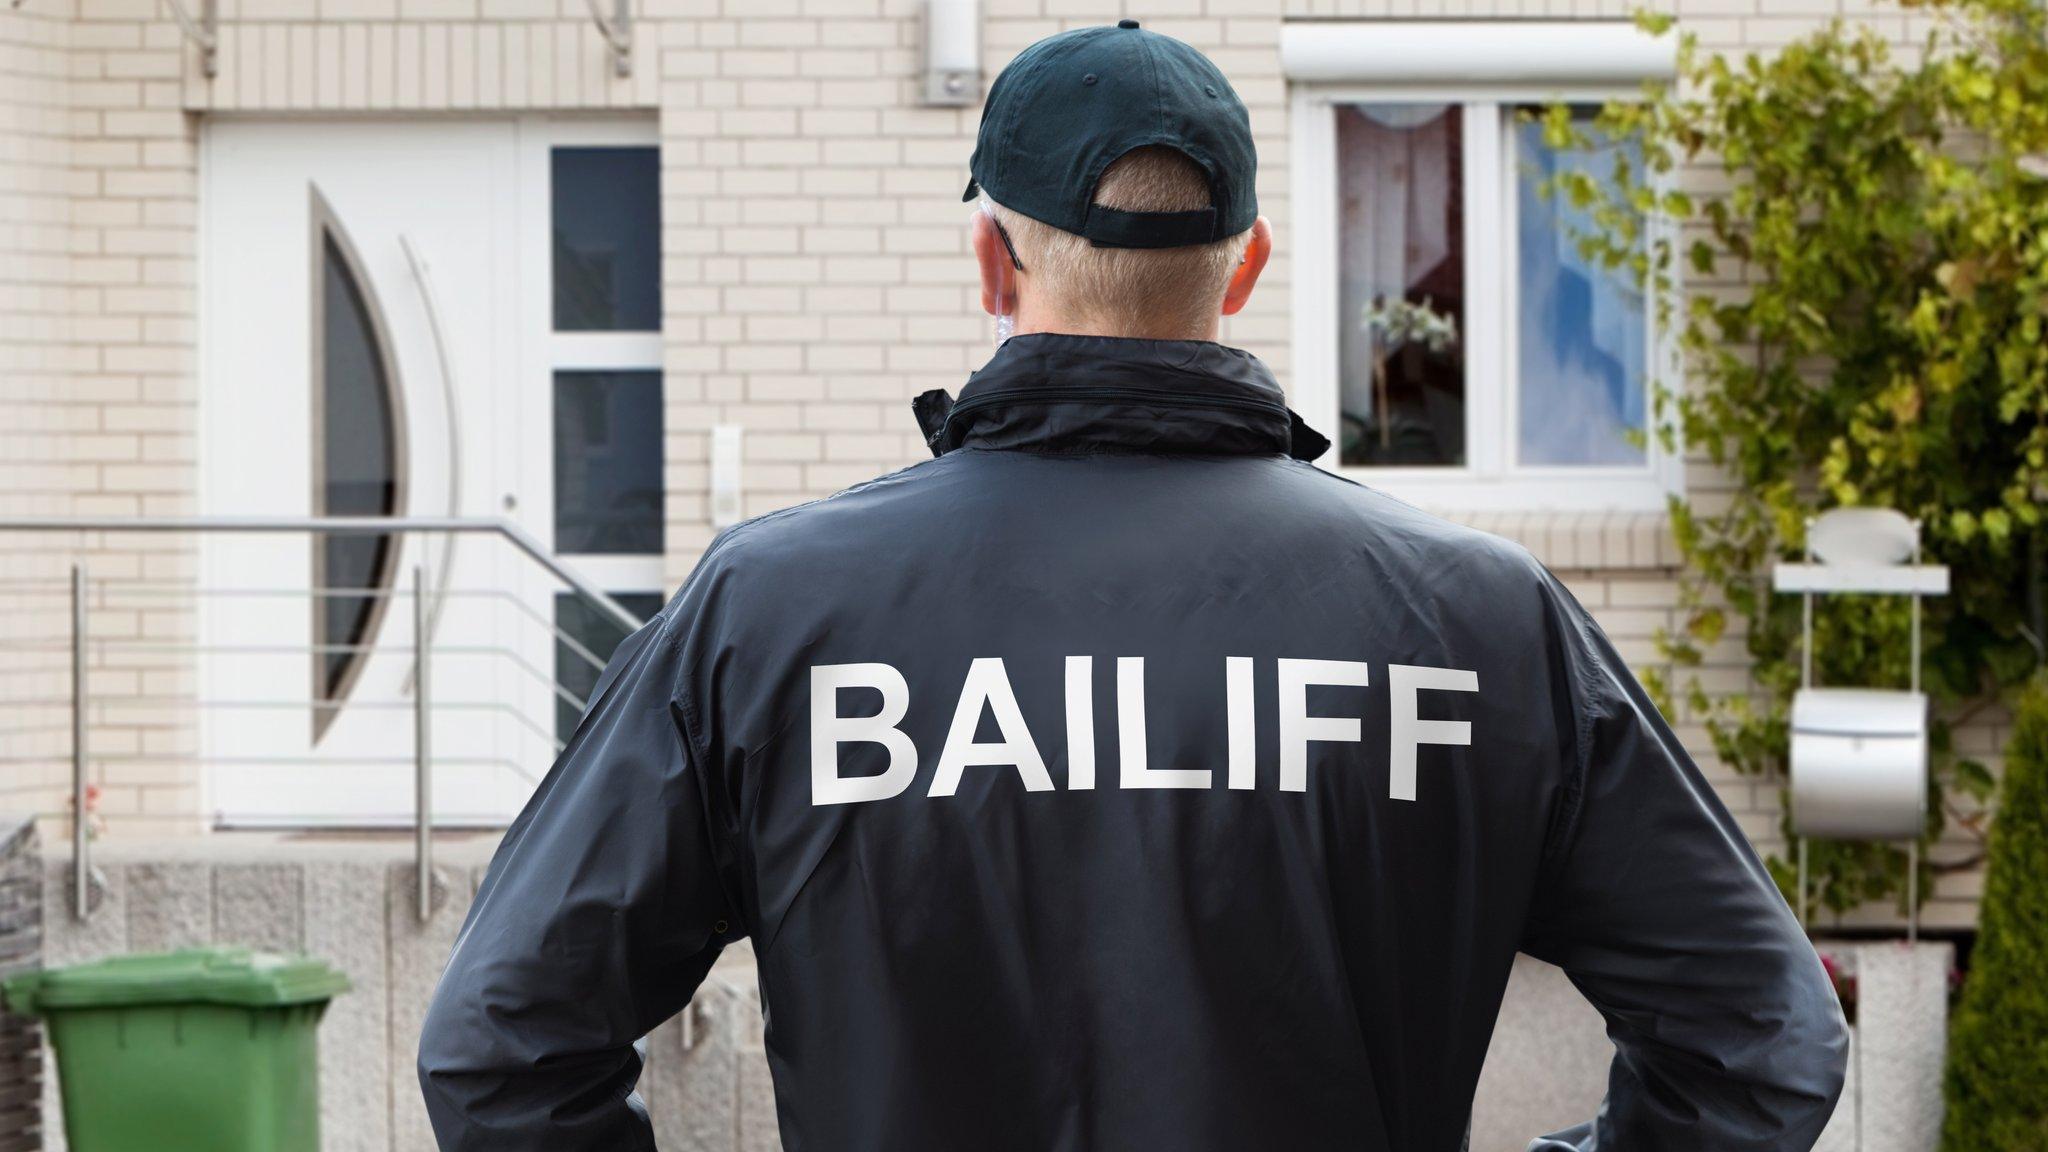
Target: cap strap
(1115, 228)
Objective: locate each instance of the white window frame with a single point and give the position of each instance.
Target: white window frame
(550, 351)
(1490, 480)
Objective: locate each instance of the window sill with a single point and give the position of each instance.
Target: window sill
(1567, 541)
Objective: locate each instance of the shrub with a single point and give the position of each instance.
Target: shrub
(1997, 1086)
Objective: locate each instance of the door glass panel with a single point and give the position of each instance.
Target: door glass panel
(1583, 332)
(608, 495)
(358, 474)
(1401, 291)
(600, 635)
(607, 239)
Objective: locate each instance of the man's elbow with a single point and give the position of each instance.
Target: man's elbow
(1813, 1055)
(438, 1042)
(1829, 1045)
(446, 1062)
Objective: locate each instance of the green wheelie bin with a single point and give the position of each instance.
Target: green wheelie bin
(207, 1050)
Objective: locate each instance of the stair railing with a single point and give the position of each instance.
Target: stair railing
(423, 701)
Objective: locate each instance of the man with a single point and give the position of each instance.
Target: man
(1118, 779)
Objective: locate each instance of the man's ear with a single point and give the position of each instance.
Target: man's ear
(1256, 252)
(992, 256)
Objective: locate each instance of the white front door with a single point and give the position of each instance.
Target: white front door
(418, 318)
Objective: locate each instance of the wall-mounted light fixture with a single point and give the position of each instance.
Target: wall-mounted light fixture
(203, 31)
(952, 52)
(617, 30)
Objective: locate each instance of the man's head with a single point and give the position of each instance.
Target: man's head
(1115, 168)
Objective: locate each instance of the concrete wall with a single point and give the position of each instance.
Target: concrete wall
(815, 277)
(354, 904)
(349, 904)
(1901, 1044)
(706, 1080)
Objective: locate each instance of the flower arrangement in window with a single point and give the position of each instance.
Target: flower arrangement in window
(1394, 324)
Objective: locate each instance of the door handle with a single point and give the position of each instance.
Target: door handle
(430, 303)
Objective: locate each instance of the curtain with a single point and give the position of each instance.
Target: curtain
(1399, 220)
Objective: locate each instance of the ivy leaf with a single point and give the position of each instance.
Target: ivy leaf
(1958, 277)
(1997, 525)
(1973, 779)
(1707, 626)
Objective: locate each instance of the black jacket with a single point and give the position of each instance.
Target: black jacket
(1119, 780)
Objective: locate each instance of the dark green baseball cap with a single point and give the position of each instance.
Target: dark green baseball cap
(1070, 105)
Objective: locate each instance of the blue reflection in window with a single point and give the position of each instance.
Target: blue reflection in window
(1583, 333)
(607, 239)
(608, 494)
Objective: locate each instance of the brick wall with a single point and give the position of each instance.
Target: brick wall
(35, 325)
(96, 386)
(814, 259)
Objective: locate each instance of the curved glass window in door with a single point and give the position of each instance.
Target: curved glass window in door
(357, 465)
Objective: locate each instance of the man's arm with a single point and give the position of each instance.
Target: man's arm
(1726, 1029)
(600, 915)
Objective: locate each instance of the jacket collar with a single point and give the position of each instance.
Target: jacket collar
(1047, 392)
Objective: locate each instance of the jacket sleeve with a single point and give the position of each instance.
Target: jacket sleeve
(1727, 1032)
(600, 915)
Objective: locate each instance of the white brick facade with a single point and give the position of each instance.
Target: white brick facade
(813, 251)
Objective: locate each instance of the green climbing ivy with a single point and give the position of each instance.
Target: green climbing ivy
(1864, 294)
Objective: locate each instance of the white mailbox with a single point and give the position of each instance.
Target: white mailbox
(1859, 755)
(1859, 763)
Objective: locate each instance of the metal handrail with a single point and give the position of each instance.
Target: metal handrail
(422, 745)
(81, 863)
(422, 645)
(519, 537)
(104, 643)
(453, 424)
(62, 588)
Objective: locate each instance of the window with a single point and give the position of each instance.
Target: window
(585, 638)
(356, 460)
(1581, 329)
(1448, 330)
(608, 462)
(1401, 284)
(604, 364)
(607, 239)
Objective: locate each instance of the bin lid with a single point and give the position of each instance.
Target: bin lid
(236, 976)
